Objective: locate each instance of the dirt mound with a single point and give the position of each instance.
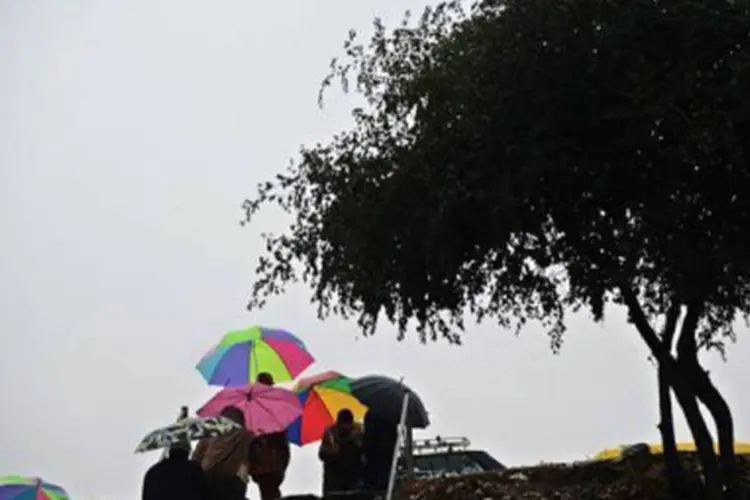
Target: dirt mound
(639, 477)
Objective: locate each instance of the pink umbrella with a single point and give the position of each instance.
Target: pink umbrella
(267, 409)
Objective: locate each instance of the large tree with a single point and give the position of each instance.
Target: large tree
(531, 157)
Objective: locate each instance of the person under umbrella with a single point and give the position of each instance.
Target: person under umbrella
(175, 477)
(266, 410)
(379, 443)
(322, 397)
(269, 456)
(225, 459)
(385, 398)
(341, 453)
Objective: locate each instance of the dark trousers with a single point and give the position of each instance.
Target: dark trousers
(226, 487)
(269, 485)
(341, 479)
(377, 473)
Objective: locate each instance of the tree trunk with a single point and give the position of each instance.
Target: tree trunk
(704, 444)
(704, 389)
(703, 441)
(719, 409)
(683, 392)
(675, 473)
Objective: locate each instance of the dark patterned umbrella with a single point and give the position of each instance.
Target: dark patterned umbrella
(384, 396)
(188, 429)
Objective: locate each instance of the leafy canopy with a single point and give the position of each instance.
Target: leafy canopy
(524, 158)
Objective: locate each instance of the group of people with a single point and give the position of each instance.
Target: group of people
(357, 458)
(221, 468)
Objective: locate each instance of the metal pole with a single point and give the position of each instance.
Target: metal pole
(409, 452)
(397, 449)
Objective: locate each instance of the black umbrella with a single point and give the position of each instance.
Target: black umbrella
(384, 396)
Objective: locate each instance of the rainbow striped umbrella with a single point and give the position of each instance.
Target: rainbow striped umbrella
(322, 397)
(241, 355)
(29, 488)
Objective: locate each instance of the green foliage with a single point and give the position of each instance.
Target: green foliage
(524, 158)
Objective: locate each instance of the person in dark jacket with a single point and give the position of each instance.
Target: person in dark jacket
(379, 443)
(175, 477)
(341, 453)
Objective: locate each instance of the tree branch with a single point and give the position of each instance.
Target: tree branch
(641, 323)
(675, 472)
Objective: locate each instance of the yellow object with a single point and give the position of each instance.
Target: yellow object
(740, 448)
(336, 401)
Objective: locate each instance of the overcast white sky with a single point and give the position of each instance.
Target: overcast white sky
(130, 133)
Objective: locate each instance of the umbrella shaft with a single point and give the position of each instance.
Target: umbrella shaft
(397, 448)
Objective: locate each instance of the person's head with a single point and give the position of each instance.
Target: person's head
(234, 414)
(180, 449)
(265, 378)
(345, 420)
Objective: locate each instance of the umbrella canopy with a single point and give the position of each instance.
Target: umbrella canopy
(384, 396)
(190, 429)
(322, 397)
(241, 355)
(740, 448)
(266, 409)
(29, 488)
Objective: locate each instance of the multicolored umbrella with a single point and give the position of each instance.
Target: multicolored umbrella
(267, 409)
(322, 397)
(241, 355)
(29, 488)
(188, 429)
